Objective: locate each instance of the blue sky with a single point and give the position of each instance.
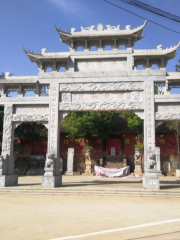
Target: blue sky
(29, 23)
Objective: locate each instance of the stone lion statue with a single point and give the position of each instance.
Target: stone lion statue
(88, 155)
(49, 160)
(152, 160)
(137, 157)
(1, 161)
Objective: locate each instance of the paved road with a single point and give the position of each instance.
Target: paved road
(45, 217)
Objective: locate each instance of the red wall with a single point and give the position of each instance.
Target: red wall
(129, 149)
(169, 148)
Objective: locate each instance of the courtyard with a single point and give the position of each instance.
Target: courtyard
(58, 214)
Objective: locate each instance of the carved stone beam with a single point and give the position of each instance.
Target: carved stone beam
(129, 43)
(86, 48)
(37, 90)
(162, 66)
(20, 91)
(147, 66)
(114, 47)
(100, 48)
(54, 66)
(3, 91)
(40, 65)
(71, 45)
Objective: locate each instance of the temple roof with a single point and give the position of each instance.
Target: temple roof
(168, 52)
(101, 31)
(34, 56)
(18, 79)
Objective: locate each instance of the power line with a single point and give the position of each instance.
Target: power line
(151, 9)
(140, 16)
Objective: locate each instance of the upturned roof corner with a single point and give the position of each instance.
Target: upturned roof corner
(101, 31)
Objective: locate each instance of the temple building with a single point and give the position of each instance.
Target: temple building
(93, 81)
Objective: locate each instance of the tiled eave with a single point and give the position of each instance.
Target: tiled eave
(34, 57)
(169, 53)
(66, 36)
(19, 79)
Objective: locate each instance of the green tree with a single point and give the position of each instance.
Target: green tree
(2, 75)
(86, 124)
(134, 123)
(178, 66)
(30, 130)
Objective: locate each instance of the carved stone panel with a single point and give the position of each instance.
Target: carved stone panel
(136, 96)
(70, 160)
(40, 108)
(88, 65)
(168, 107)
(7, 130)
(30, 117)
(118, 86)
(100, 106)
(99, 97)
(66, 97)
(150, 117)
(168, 111)
(167, 116)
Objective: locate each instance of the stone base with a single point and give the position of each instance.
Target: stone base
(177, 172)
(8, 180)
(87, 174)
(139, 171)
(88, 171)
(151, 181)
(159, 173)
(51, 182)
(69, 173)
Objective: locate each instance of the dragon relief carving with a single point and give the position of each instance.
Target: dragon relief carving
(101, 86)
(7, 129)
(97, 106)
(30, 117)
(167, 116)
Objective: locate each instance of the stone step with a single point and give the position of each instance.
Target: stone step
(99, 192)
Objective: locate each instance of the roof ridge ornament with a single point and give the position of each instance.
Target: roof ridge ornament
(100, 27)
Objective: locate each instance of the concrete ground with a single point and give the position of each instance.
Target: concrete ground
(53, 216)
(87, 182)
(45, 217)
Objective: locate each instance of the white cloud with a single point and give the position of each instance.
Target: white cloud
(69, 7)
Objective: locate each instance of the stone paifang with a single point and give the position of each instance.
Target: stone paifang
(93, 81)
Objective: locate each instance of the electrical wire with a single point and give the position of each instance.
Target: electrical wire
(140, 16)
(151, 9)
(166, 19)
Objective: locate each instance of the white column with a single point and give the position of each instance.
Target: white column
(150, 180)
(8, 178)
(54, 179)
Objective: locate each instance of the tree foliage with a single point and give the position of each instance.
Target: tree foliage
(133, 121)
(84, 124)
(2, 75)
(31, 130)
(178, 66)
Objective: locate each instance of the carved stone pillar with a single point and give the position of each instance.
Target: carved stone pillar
(54, 179)
(150, 180)
(3, 91)
(20, 91)
(7, 177)
(158, 161)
